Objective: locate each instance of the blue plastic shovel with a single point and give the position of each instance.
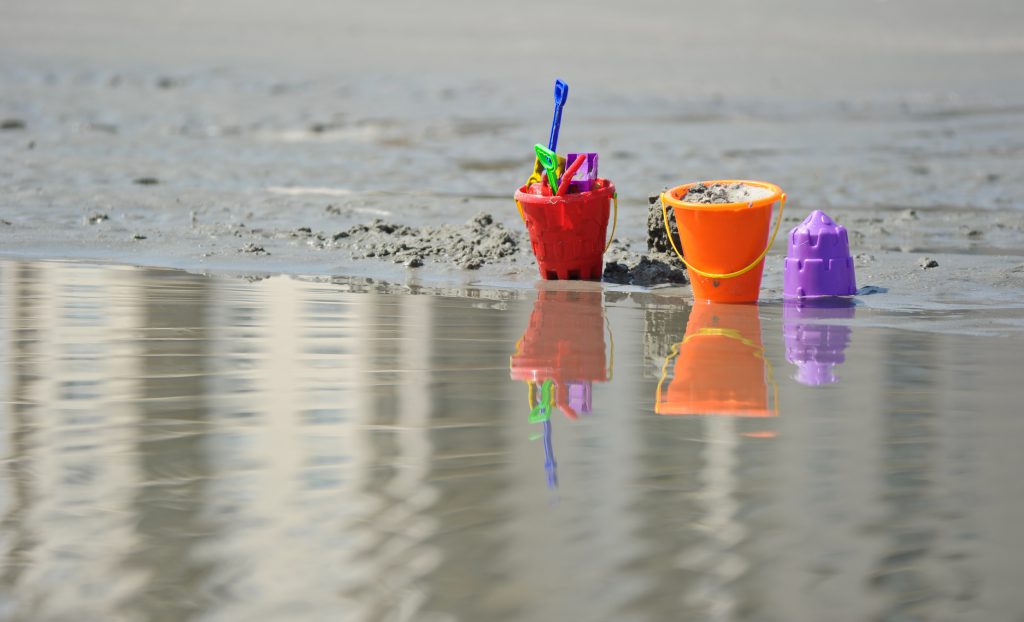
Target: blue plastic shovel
(561, 94)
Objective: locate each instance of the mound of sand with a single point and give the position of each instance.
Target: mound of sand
(725, 193)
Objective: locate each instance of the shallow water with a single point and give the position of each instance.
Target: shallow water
(179, 447)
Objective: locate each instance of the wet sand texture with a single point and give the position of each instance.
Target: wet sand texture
(469, 246)
(645, 272)
(657, 239)
(162, 136)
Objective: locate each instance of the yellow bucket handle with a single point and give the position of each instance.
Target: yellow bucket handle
(615, 220)
(728, 275)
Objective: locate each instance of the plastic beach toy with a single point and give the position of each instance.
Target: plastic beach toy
(567, 232)
(724, 244)
(585, 177)
(563, 184)
(549, 160)
(539, 173)
(561, 95)
(818, 262)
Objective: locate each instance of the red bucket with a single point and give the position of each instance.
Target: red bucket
(568, 232)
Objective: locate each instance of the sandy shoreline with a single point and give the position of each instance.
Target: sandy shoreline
(977, 286)
(206, 159)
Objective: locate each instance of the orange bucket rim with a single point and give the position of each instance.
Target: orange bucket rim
(672, 195)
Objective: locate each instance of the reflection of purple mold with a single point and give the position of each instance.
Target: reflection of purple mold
(580, 398)
(818, 262)
(816, 348)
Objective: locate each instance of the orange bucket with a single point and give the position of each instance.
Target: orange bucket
(724, 244)
(720, 367)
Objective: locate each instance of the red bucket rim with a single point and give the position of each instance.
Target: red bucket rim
(604, 189)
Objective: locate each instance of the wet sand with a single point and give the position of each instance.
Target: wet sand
(206, 151)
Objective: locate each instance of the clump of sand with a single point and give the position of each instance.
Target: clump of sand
(657, 239)
(470, 246)
(725, 193)
(646, 272)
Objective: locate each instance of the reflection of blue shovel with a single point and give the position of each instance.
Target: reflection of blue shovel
(549, 457)
(541, 413)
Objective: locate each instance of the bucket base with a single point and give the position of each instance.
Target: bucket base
(592, 271)
(744, 289)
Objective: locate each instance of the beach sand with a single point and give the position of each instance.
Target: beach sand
(253, 140)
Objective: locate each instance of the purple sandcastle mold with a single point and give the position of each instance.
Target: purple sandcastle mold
(816, 348)
(586, 175)
(819, 261)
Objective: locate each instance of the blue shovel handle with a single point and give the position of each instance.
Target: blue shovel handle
(561, 94)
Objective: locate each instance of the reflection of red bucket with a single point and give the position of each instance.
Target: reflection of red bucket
(568, 232)
(564, 343)
(720, 367)
(565, 339)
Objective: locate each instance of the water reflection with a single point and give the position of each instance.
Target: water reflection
(718, 372)
(560, 356)
(178, 447)
(719, 368)
(909, 590)
(182, 447)
(815, 346)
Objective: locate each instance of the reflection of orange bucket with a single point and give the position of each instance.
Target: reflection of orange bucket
(724, 244)
(567, 232)
(720, 366)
